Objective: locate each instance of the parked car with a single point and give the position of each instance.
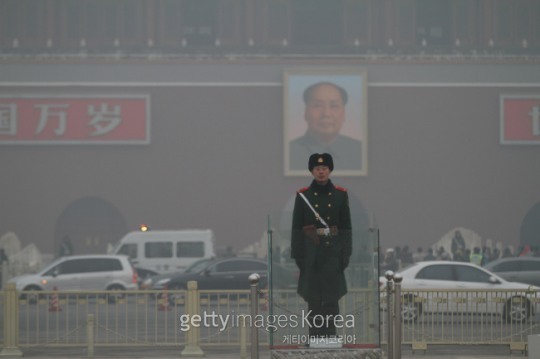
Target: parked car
(80, 273)
(517, 269)
(476, 291)
(226, 274)
(158, 280)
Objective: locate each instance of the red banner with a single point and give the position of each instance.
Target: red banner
(111, 119)
(520, 119)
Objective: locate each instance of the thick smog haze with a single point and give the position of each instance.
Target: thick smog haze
(186, 137)
(215, 160)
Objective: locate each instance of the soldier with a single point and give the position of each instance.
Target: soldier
(321, 244)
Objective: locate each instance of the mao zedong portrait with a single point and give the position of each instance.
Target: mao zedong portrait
(325, 114)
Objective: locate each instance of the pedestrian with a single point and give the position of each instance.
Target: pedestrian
(3, 259)
(459, 255)
(495, 254)
(66, 248)
(442, 255)
(390, 261)
(458, 243)
(406, 257)
(486, 255)
(507, 253)
(430, 256)
(476, 256)
(321, 245)
(3, 256)
(419, 255)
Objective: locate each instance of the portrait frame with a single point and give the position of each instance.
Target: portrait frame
(353, 135)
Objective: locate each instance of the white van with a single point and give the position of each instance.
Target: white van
(167, 251)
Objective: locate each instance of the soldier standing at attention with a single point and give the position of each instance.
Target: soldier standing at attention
(321, 244)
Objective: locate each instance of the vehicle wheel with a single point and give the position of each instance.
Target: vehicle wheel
(410, 309)
(117, 292)
(176, 298)
(32, 298)
(517, 310)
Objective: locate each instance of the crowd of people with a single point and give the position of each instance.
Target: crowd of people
(399, 257)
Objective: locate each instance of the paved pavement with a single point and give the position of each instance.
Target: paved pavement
(434, 352)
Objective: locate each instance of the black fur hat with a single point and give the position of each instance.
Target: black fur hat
(318, 159)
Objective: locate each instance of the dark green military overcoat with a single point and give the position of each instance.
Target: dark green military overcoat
(322, 260)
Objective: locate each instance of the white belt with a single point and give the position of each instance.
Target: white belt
(325, 231)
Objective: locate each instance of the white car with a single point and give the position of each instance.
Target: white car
(78, 273)
(457, 287)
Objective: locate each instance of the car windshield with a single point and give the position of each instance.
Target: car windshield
(113, 248)
(49, 266)
(198, 266)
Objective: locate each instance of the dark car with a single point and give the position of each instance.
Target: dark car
(227, 274)
(517, 269)
(159, 280)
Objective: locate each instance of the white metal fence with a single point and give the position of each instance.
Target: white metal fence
(194, 318)
(467, 317)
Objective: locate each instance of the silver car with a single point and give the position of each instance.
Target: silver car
(517, 269)
(79, 273)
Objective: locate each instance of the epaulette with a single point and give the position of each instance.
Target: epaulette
(342, 189)
(303, 189)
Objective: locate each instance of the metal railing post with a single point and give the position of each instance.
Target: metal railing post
(254, 283)
(390, 312)
(270, 284)
(193, 334)
(398, 278)
(90, 334)
(243, 338)
(11, 322)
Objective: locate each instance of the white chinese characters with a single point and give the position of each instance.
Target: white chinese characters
(55, 117)
(8, 119)
(47, 112)
(104, 120)
(535, 115)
